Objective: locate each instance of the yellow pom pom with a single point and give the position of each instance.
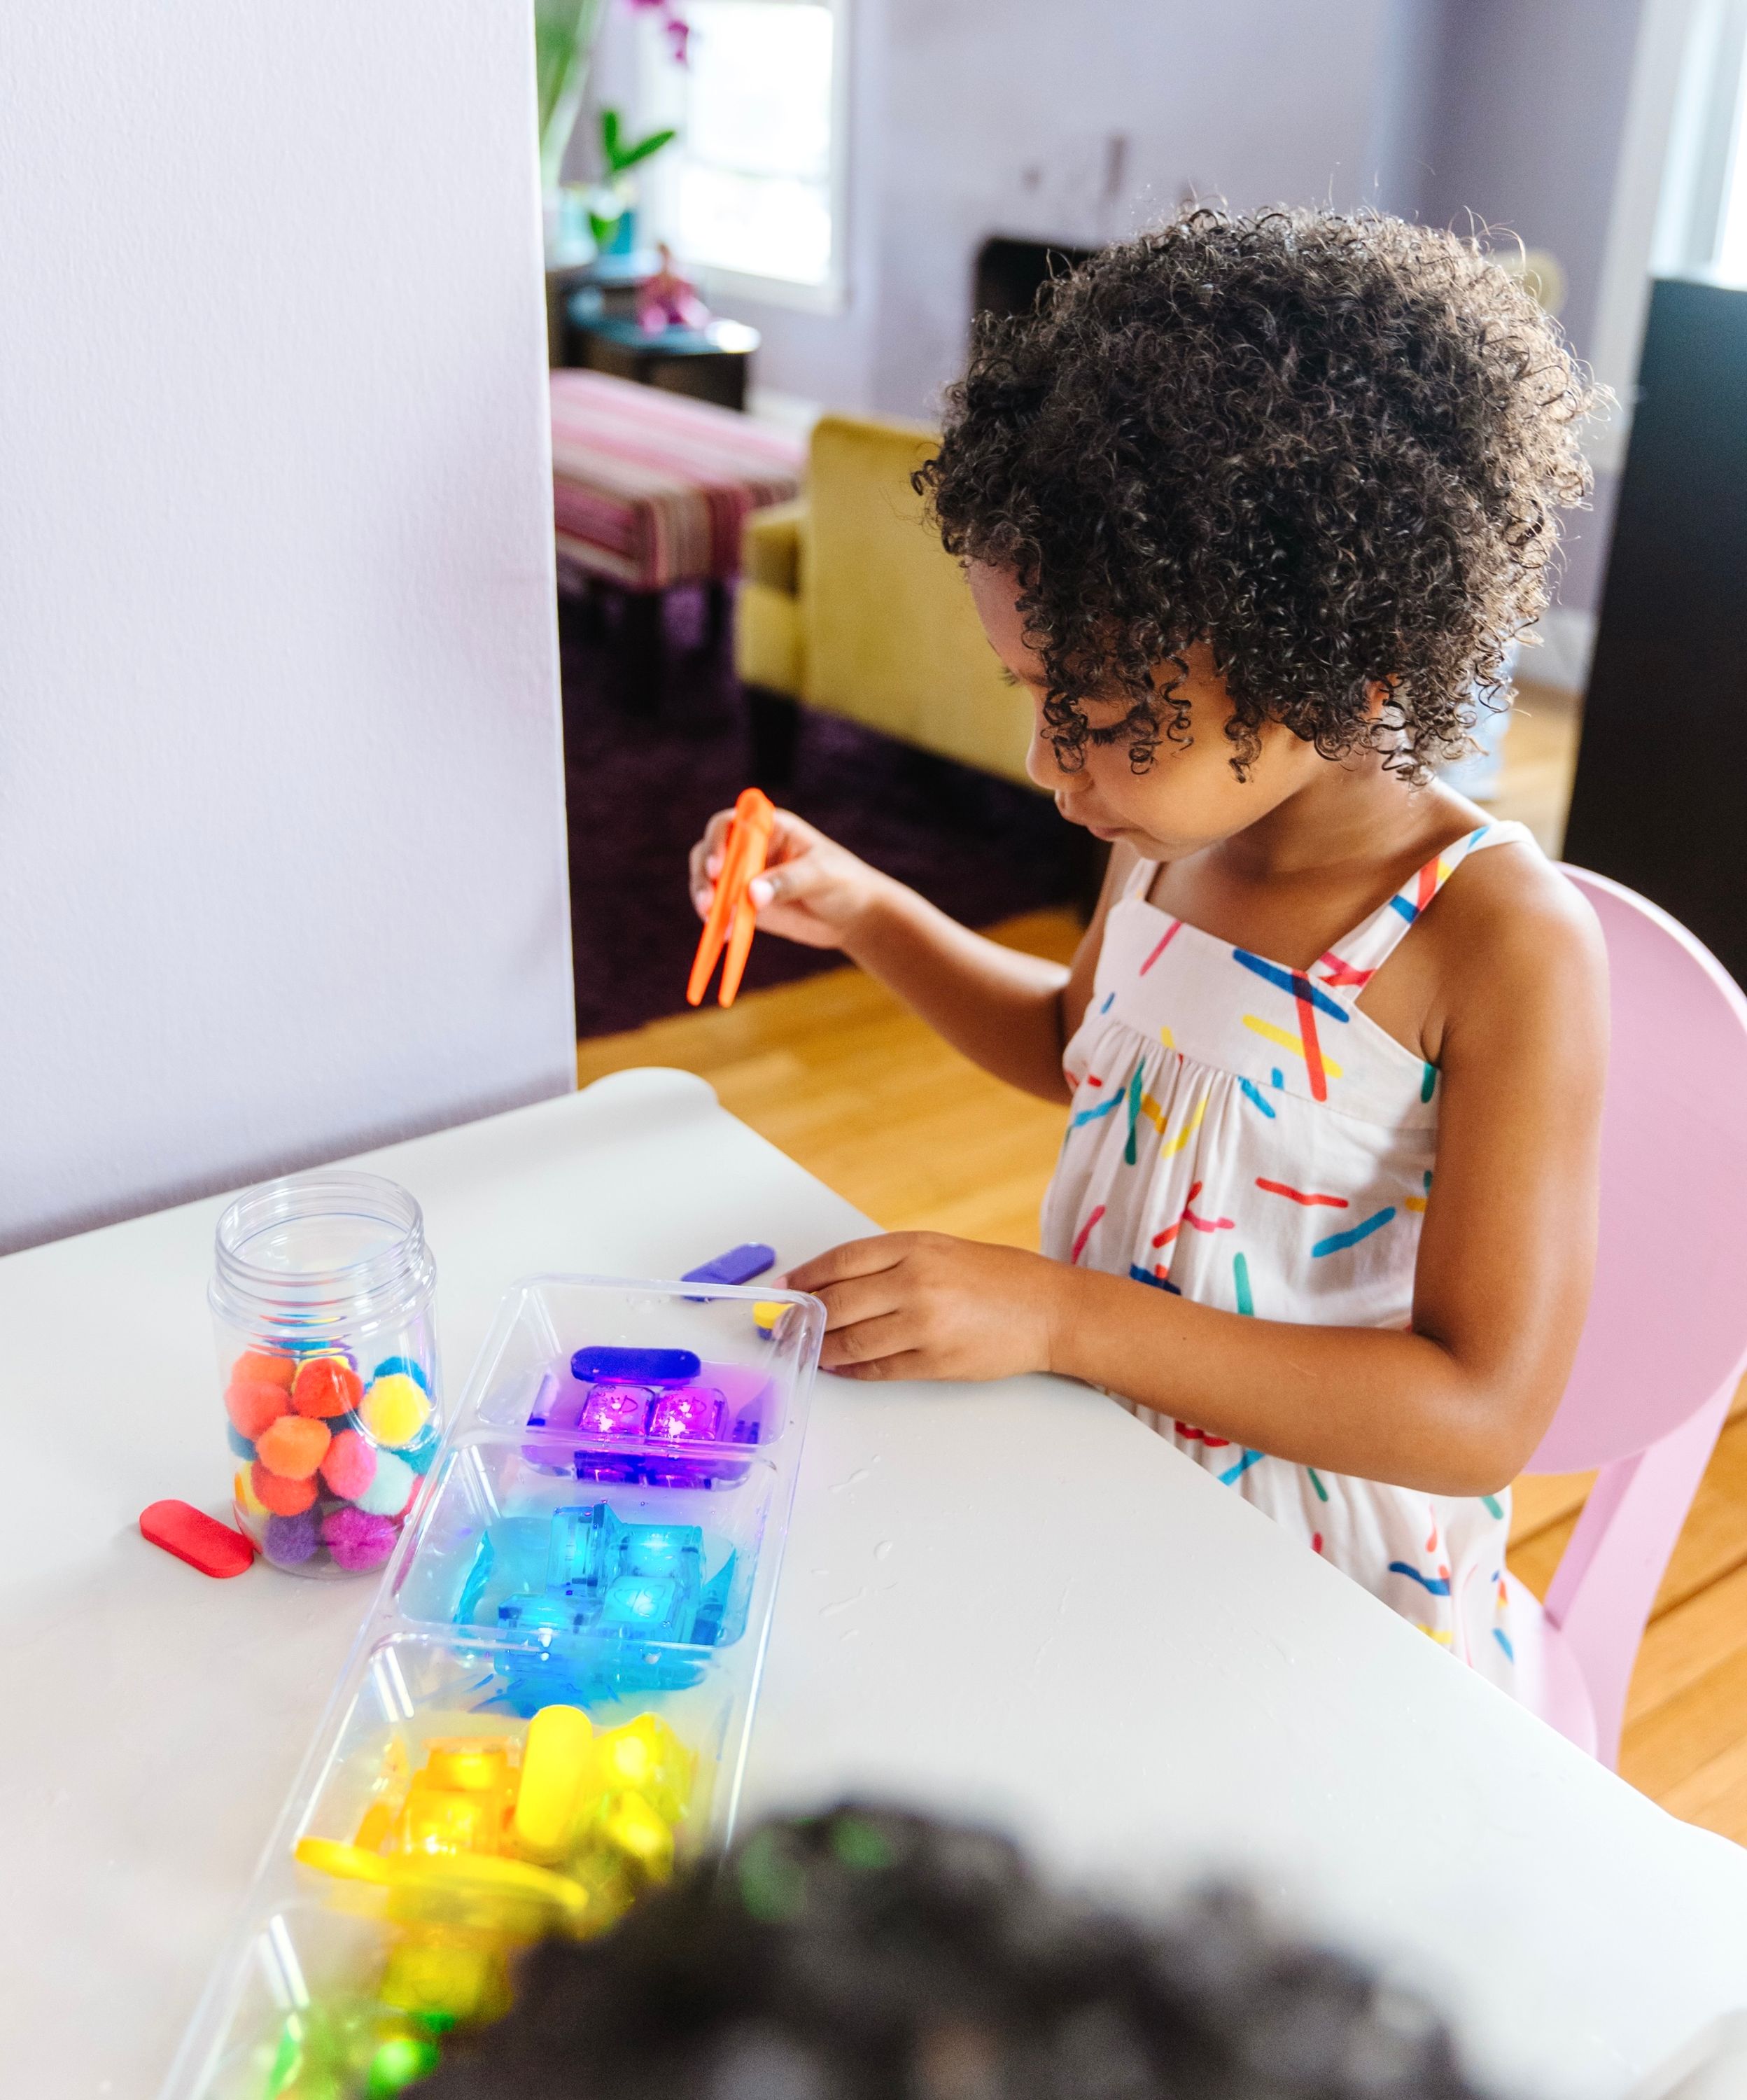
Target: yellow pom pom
(242, 1491)
(394, 1410)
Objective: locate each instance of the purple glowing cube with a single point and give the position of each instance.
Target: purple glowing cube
(615, 1410)
(687, 1414)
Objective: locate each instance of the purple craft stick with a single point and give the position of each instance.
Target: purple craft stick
(543, 1400)
(740, 1264)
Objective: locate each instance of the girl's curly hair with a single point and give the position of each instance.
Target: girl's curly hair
(1332, 448)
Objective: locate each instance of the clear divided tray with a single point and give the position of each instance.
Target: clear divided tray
(600, 1542)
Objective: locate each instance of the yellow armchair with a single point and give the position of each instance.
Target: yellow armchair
(849, 603)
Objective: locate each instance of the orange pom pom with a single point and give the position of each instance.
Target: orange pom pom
(327, 1387)
(264, 1367)
(293, 1447)
(283, 1498)
(255, 1406)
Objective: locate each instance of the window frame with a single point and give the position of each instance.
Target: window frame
(1652, 209)
(654, 75)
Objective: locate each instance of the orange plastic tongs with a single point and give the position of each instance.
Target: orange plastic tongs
(731, 915)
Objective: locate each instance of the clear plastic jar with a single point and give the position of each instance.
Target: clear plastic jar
(321, 1305)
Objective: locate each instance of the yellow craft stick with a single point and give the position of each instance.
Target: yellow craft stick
(464, 1873)
(556, 1761)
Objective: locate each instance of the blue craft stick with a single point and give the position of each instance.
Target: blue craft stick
(740, 1265)
(636, 1366)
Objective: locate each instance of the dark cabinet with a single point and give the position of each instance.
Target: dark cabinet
(1660, 801)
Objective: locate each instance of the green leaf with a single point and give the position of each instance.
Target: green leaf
(610, 140)
(564, 34)
(641, 150)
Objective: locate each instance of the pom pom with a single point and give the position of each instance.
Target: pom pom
(389, 1493)
(325, 1388)
(394, 1410)
(263, 1367)
(239, 1443)
(247, 1503)
(277, 1496)
(291, 1540)
(293, 1446)
(252, 1408)
(349, 1467)
(356, 1540)
(405, 1367)
(422, 1453)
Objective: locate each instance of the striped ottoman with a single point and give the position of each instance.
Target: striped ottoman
(650, 489)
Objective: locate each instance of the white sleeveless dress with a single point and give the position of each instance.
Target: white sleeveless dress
(1242, 1134)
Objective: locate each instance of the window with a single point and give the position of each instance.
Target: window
(1680, 193)
(1702, 218)
(751, 192)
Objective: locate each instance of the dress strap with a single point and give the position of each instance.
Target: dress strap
(1353, 961)
(1138, 881)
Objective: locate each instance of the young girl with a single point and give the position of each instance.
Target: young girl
(1252, 509)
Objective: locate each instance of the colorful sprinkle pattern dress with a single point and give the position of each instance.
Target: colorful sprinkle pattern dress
(1242, 1134)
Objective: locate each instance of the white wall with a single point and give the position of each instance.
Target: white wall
(282, 862)
(1078, 124)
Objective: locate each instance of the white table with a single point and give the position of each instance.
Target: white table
(1010, 1600)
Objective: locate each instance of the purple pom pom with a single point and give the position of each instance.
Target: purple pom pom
(291, 1540)
(358, 1540)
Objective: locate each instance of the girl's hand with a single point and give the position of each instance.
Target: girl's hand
(919, 1305)
(811, 891)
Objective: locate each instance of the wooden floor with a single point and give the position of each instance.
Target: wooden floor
(839, 1076)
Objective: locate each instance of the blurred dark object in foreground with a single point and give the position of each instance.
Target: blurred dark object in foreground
(865, 1954)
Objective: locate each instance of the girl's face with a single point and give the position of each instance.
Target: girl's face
(1189, 797)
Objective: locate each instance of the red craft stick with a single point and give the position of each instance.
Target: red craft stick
(189, 1533)
(731, 917)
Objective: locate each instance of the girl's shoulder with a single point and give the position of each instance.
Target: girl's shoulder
(1508, 895)
(1506, 936)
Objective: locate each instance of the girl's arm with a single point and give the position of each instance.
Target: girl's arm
(1010, 1012)
(1457, 1404)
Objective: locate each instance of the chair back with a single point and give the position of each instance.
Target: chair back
(890, 636)
(1667, 1324)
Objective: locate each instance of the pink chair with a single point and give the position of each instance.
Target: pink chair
(1665, 1344)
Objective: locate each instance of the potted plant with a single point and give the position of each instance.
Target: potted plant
(565, 32)
(612, 203)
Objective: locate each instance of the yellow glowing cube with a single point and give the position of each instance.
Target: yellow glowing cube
(642, 1835)
(461, 1977)
(646, 1757)
(475, 1764)
(440, 1819)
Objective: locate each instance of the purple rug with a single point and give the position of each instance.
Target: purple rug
(639, 792)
